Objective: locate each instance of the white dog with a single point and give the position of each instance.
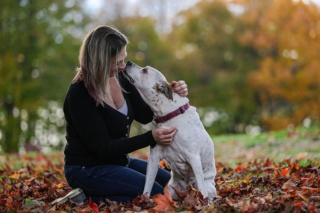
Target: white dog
(191, 153)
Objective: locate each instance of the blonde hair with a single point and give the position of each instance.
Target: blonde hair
(98, 48)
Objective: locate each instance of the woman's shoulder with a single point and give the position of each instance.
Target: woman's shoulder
(78, 93)
(77, 86)
(77, 89)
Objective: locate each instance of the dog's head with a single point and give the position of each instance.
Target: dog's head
(148, 80)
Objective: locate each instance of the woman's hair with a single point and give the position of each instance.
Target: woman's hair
(98, 49)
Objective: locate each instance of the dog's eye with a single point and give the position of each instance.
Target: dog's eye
(145, 71)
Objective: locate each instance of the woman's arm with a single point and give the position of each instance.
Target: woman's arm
(180, 87)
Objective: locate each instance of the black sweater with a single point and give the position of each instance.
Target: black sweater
(98, 135)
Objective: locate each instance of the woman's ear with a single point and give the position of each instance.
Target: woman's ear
(165, 88)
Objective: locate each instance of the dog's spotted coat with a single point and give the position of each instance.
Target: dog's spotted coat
(191, 153)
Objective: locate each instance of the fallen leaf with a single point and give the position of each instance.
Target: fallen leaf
(284, 172)
(239, 168)
(315, 198)
(85, 210)
(59, 186)
(15, 176)
(164, 202)
(181, 194)
(290, 184)
(93, 206)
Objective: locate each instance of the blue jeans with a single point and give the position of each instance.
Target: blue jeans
(114, 182)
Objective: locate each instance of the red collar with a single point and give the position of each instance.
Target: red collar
(173, 114)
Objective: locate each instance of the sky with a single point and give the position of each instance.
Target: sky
(165, 25)
(171, 9)
(93, 5)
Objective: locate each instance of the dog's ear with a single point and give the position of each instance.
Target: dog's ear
(165, 88)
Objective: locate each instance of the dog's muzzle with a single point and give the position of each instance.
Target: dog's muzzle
(129, 64)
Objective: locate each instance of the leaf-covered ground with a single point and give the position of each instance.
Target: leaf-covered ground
(30, 182)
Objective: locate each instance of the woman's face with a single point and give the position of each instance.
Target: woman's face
(118, 64)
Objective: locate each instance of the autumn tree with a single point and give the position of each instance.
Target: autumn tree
(286, 36)
(215, 65)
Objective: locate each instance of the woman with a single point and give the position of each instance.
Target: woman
(99, 108)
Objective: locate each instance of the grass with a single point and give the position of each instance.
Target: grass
(302, 143)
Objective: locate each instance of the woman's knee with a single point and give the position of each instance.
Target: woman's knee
(163, 177)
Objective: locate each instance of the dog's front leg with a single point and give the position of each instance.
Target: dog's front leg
(152, 169)
(196, 165)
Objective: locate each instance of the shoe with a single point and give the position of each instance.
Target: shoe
(75, 195)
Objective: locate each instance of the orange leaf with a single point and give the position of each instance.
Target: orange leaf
(59, 186)
(284, 171)
(161, 164)
(15, 176)
(239, 168)
(164, 202)
(93, 206)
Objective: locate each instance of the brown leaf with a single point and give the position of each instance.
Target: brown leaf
(290, 184)
(52, 210)
(268, 163)
(181, 194)
(85, 210)
(315, 198)
(311, 189)
(245, 206)
(113, 206)
(234, 203)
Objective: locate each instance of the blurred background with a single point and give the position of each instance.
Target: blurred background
(252, 66)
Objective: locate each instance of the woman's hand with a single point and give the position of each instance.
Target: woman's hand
(163, 136)
(180, 88)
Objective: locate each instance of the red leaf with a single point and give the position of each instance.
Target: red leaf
(239, 168)
(284, 171)
(299, 204)
(313, 209)
(135, 201)
(93, 206)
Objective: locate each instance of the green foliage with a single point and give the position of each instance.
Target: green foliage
(215, 64)
(146, 46)
(31, 203)
(37, 58)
